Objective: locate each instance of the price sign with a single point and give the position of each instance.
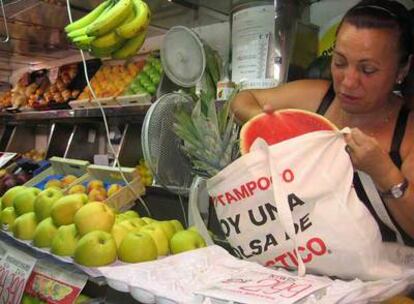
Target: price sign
(15, 270)
(265, 288)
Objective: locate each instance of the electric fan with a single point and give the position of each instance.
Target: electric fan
(183, 57)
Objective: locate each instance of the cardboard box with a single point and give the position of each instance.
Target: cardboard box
(60, 167)
(123, 199)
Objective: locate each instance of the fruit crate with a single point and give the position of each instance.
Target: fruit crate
(59, 168)
(91, 104)
(124, 198)
(136, 99)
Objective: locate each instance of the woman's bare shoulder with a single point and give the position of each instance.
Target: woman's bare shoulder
(304, 94)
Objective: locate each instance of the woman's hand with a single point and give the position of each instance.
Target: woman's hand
(367, 155)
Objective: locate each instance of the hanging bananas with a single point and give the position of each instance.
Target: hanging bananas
(115, 28)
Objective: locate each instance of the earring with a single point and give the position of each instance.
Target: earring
(399, 81)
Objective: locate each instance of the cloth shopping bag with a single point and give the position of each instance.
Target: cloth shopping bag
(293, 205)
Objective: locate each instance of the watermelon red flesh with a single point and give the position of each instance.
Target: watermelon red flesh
(280, 126)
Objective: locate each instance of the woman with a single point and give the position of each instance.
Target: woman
(371, 57)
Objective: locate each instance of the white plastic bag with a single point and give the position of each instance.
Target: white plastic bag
(301, 185)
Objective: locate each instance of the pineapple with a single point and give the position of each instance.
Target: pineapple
(209, 135)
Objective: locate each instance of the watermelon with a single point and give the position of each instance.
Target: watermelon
(281, 125)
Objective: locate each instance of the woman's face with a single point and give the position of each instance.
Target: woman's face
(365, 66)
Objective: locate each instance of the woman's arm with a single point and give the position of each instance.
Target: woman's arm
(301, 94)
(367, 156)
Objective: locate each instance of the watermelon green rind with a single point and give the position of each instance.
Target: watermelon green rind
(281, 125)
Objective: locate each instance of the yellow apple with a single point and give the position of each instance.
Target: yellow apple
(177, 225)
(167, 227)
(148, 220)
(68, 179)
(7, 218)
(132, 224)
(65, 208)
(65, 241)
(97, 195)
(44, 233)
(159, 237)
(77, 189)
(130, 213)
(118, 232)
(24, 226)
(53, 183)
(113, 189)
(94, 216)
(94, 184)
(137, 247)
(96, 248)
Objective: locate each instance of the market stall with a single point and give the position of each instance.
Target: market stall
(116, 138)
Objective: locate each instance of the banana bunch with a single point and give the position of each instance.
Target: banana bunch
(115, 28)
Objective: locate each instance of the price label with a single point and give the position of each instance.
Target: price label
(264, 287)
(54, 284)
(14, 272)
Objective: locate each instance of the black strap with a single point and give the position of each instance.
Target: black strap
(326, 101)
(398, 135)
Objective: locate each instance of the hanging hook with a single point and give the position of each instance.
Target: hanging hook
(7, 38)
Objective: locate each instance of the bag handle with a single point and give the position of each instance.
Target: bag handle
(282, 205)
(378, 204)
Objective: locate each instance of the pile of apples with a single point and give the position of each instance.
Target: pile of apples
(95, 189)
(90, 232)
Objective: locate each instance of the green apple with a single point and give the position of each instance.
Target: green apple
(159, 237)
(44, 202)
(24, 201)
(44, 233)
(24, 226)
(120, 218)
(148, 220)
(130, 213)
(65, 240)
(177, 225)
(7, 218)
(82, 298)
(186, 240)
(94, 216)
(64, 209)
(118, 232)
(9, 195)
(194, 228)
(132, 224)
(137, 247)
(96, 248)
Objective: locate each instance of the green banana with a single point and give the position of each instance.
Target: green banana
(75, 33)
(88, 18)
(83, 42)
(107, 40)
(131, 46)
(141, 20)
(112, 19)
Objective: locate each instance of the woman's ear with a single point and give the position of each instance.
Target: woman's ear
(405, 69)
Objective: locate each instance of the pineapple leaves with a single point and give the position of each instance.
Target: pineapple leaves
(208, 134)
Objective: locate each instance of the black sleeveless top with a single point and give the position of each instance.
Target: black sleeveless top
(387, 234)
